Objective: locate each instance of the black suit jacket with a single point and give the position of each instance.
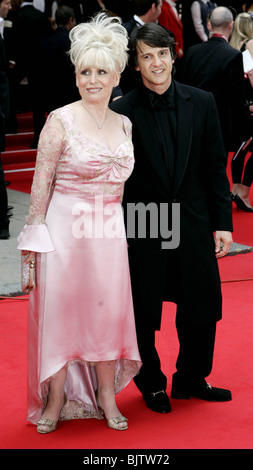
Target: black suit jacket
(29, 27)
(217, 67)
(57, 76)
(188, 274)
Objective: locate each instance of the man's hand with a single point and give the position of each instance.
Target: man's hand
(223, 242)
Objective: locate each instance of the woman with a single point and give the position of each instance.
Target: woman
(242, 39)
(82, 346)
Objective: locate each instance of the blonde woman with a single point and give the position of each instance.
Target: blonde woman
(242, 39)
(82, 346)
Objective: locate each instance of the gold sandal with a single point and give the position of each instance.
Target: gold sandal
(48, 423)
(114, 423)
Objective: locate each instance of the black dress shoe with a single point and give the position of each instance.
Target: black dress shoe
(158, 401)
(204, 392)
(9, 208)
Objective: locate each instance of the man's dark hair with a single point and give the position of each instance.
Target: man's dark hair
(63, 14)
(153, 35)
(141, 7)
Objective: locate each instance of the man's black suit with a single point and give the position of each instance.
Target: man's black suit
(58, 73)
(29, 27)
(217, 67)
(187, 275)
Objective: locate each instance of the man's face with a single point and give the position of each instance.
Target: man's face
(159, 9)
(155, 66)
(5, 6)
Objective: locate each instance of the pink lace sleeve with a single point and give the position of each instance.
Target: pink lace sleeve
(49, 151)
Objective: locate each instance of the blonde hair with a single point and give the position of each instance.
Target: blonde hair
(243, 29)
(101, 42)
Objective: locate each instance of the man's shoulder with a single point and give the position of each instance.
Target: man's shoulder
(29, 11)
(215, 50)
(222, 45)
(125, 102)
(195, 49)
(191, 91)
(130, 25)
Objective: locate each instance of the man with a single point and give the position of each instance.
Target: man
(217, 67)
(194, 19)
(146, 11)
(200, 11)
(29, 27)
(55, 64)
(5, 6)
(123, 9)
(180, 159)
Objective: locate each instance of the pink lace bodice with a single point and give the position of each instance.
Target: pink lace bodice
(76, 165)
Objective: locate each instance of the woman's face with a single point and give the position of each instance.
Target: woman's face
(95, 84)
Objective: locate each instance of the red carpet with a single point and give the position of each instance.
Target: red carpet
(192, 424)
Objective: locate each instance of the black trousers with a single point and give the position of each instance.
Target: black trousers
(194, 361)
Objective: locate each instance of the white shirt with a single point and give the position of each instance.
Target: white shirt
(39, 4)
(138, 20)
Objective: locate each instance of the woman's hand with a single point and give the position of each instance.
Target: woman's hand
(30, 256)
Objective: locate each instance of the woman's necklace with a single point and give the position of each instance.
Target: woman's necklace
(99, 126)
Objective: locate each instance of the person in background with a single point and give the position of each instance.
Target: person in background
(215, 66)
(29, 27)
(170, 19)
(55, 64)
(82, 347)
(200, 11)
(242, 176)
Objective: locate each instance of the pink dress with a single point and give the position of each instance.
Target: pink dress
(81, 312)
